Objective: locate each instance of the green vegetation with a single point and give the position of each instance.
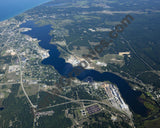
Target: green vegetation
(152, 123)
(58, 120)
(150, 78)
(48, 99)
(153, 113)
(103, 120)
(80, 25)
(16, 111)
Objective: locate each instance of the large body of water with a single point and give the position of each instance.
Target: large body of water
(10, 8)
(41, 33)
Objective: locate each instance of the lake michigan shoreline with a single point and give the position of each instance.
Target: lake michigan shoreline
(13, 14)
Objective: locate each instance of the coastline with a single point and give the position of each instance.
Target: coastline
(9, 16)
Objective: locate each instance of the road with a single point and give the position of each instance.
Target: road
(132, 49)
(21, 82)
(9, 83)
(81, 100)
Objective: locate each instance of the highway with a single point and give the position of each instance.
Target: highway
(21, 82)
(81, 100)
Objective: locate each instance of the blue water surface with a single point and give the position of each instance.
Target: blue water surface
(128, 94)
(10, 8)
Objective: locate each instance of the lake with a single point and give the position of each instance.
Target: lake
(1, 108)
(129, 95)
